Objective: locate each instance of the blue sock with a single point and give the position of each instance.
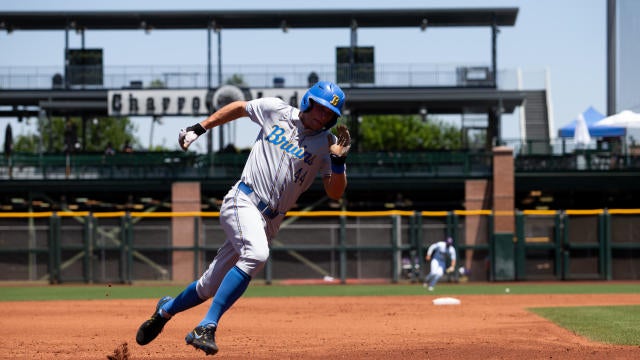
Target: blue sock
(232, 287)
(187, 299)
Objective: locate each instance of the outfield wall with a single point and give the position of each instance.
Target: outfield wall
(64, 247)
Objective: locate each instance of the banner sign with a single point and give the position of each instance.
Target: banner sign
(158, 102)
(291, 96)
(184, 102)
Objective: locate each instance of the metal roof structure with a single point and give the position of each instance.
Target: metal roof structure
(374, 100)
(256, 19)
(363, 101)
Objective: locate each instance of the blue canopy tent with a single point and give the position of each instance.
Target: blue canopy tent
(591, 117)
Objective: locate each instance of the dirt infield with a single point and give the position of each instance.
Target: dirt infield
(482, 327)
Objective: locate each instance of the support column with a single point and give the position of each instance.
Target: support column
(185, 196)
(477, 197)
(503, 189)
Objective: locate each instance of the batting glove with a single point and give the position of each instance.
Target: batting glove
(189, 135)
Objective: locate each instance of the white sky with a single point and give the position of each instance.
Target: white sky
(567, 38)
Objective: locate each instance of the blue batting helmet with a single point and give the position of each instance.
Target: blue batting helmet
(326, 94)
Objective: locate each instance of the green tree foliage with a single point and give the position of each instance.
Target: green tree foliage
(100, 132)
(26, 143)
(407, 133)
(157, 84)
(236, 79)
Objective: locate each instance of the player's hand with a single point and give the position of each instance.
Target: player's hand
(185, 138)
(450, 270)
(343, 144)
(189, 135)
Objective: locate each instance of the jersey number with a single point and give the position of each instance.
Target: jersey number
(299, 176)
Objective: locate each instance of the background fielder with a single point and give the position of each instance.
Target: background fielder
(437, 254)
(292, 148)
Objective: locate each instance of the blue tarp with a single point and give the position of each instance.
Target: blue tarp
(592, 116)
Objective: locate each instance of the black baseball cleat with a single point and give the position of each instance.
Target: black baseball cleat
(203, 338)
(151, 328)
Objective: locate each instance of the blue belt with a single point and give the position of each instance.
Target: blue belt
(261, 205)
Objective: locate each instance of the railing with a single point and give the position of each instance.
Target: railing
(567, 146)
(180, 165)
(260, 76)
(136, 246)
(564, 155)
(175, 165)
(139, 165)
(587, 161)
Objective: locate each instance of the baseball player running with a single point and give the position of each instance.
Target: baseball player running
(437, 254)
(292, 148)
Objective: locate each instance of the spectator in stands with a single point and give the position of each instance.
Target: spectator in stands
(127, 147)
(71, 143)
(109, 150)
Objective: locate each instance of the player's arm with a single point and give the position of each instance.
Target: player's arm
(335, 184)
(430, 251)
(452, 254)
(452, 267)
(227, 113)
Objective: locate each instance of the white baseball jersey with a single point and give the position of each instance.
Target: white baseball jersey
(286, 157)
(438, 251)
(284, 161)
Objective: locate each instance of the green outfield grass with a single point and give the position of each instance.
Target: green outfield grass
(607, 324)
(119, 291)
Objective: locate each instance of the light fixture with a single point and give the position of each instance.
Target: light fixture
(424, 24)
(423, 113)
(146, 27)
(284, 26)
(214, 26)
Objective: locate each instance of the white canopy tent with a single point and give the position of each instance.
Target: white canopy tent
(627, 119)
(581, 136)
